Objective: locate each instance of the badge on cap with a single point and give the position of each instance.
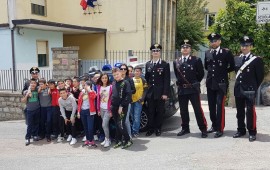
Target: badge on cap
(186, 41)
(156, 45)
(246, 38)
(213, 35)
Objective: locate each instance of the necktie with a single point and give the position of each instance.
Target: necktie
(155, 64)
(214, 52)
(244, 59)
(185, 59)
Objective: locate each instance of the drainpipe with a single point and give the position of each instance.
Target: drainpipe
(11, 16)
(154, 21)
(105, 48)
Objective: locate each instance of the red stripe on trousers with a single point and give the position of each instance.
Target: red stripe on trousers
(254, 118)
(204, 120)
(223, 114)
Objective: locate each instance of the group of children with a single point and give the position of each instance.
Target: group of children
(86, 106)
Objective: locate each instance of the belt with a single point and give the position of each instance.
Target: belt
(187, 85)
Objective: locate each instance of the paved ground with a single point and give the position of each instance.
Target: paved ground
(165, 152)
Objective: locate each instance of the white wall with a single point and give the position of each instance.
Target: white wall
(26, 50)
(5, 49)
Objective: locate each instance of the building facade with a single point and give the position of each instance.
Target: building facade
(29, 29)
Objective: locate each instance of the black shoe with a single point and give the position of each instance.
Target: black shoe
(204, 134)
(211, 130)
(252, 138)
(27, 142)
(218, 134)
(158, 132)
(238, 135)
(48, 139)
(183, 132)
(149, 133)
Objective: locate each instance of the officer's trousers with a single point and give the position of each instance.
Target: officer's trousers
(216, 103)
(241, 104)
(196, 104)
(156, 109)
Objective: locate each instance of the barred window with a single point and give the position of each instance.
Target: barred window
(38, 7)
(42, 53)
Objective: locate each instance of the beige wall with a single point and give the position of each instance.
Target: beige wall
(3, 12)
(128, 22)
(91, 45)
(215, 5)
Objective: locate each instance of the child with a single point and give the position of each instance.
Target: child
(121, 97)
(58, 121)
(68, 84)
(33, 111)
(104, 94)
(137, 100)
(60, 84)
(87, 111)
(45, 110)
(68, 108)
(98, 131)
(75, 91)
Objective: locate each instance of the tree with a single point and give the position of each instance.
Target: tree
(239, 19)
(190, 22)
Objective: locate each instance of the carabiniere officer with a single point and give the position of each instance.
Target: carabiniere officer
(189, 72)
(157, 75)
(218, 62)
(249, 76)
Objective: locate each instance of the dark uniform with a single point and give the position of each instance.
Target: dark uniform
(249, 77)
(157, 76)
(218, 62)
(189, 73)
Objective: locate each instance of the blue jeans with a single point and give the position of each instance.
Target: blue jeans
(136, 109)
(127, 122)
(88, 124)
(33, 123)
(45, 125)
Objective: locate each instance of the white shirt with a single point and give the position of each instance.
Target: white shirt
(104, 97)
(183, 57)
(157, 61)
(217, 50)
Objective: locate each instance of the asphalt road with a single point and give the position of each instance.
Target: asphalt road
(165, 152)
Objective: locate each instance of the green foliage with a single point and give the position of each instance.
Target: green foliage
(190, 22)
(239, 19)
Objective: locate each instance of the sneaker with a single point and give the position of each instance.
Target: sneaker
(95, 137)
(84, 139)
(117, 145)
(92, 144)
(103, 143)
(128, 144)
(35, 138)
(60, 139)
(53, 137)
(69, 138)
(27, 142)
(135, 135)
(73, 141)
(86, 143)
(107, 143)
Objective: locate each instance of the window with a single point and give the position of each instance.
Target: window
(42, 53)
(209, 20)
(38, 7)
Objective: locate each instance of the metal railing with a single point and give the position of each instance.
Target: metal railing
(9, 82)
